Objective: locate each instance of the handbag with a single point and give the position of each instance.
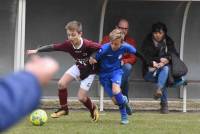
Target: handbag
(178, 67)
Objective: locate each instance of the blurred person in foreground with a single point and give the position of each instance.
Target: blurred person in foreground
(21, 91)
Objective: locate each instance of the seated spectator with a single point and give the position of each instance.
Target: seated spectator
(156, 48)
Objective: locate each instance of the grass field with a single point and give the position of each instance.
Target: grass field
(78, 122)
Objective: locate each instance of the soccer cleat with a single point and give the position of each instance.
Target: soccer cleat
(124, 121)
(60, 112)
(129, 110)
(95, 113)
(124, 115)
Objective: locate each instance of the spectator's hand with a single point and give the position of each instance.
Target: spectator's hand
(164, 60)
(161, 64)
(43, 68)
(155, 64)
(30, 52)
(92, 60)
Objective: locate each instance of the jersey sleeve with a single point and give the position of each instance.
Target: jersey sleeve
(93, 46)
(130, 58)
(100, 53)
(54, 47)
(20, 94)
(62, 46)
(130, 49)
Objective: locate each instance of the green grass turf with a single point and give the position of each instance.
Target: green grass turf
(78, 122)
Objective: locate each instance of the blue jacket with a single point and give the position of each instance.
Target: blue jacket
(20, 94)
(111, 60)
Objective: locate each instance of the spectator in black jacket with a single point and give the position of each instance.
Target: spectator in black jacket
(156, 48)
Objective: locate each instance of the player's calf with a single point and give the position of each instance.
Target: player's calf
(124, 115)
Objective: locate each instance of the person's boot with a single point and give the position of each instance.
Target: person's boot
(164, 108)
(157, 94)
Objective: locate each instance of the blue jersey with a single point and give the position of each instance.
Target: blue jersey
(111, 60)
(20, 94)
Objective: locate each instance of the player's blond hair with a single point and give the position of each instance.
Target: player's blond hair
(74, 25)
(116, 34)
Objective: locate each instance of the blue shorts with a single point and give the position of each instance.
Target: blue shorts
(107, 79)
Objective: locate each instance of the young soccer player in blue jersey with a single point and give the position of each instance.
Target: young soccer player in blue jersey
(110, 72)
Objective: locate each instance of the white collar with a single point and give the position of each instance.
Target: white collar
(80, 45)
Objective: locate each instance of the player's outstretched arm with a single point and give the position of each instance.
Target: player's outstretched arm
(132, 50)
(46, 48)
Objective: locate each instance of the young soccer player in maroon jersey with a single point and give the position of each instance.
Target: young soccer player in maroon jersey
(81, 50)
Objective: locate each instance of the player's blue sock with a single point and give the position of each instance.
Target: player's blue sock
(120, 98)
(124, 116)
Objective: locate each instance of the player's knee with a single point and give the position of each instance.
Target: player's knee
(61, 85)
(116, 90)
(81, 98)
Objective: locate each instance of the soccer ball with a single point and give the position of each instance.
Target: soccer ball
(38, 117)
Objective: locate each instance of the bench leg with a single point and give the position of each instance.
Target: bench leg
(184, 98)
(101, 98)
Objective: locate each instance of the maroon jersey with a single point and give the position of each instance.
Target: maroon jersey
(81, 55)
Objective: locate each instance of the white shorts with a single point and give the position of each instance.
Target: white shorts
(85, 83)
